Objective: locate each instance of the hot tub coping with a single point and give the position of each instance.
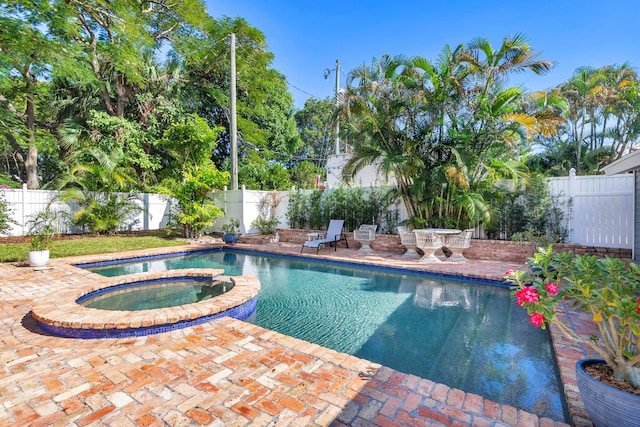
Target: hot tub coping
(59, 312)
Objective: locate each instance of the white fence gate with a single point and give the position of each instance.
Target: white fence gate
(600, 209)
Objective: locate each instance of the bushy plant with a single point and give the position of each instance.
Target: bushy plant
(41, 230)
(102, 213)
(231, 227)
(297, 209)
(267, 219)
(356, 206)
(529, 213)
(194, 211)
(265, 225)
(606, 288)
(5, 215)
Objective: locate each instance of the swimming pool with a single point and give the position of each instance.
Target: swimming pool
(465, 334)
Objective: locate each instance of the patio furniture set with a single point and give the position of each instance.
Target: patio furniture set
(430, 241)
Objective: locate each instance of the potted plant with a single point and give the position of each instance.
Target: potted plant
(41, 232)
(608, 290)
(230, 231)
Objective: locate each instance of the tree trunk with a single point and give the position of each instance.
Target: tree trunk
(31, 162)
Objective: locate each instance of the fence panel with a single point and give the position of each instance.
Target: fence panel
(600, 209)
(153, 214)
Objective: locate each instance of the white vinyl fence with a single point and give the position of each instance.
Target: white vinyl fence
(598, 209)
(153, 213)
(243, 205)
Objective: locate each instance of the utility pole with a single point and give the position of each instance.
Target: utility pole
(337, 147)
(233, 131)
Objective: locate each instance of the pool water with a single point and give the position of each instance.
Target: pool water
(465, 334)
(152, 294)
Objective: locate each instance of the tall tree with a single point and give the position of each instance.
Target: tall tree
(26, 55)
(444, 129)
(264, 106)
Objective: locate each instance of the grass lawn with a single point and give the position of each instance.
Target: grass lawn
(11, 252)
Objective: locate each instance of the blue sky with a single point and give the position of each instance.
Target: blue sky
(307, 37)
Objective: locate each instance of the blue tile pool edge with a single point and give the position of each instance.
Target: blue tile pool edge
(240, 312)
(297, 257)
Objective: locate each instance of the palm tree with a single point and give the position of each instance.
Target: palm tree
(379, 111)
(493, 67)
(444, 129)
(93, 181)
(581, 93)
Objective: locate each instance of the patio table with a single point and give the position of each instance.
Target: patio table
(441, 232)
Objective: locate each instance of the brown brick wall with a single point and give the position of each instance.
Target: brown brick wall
(480, 249)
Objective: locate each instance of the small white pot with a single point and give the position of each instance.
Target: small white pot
(38, 258)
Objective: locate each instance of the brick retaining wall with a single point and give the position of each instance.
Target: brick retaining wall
(480, 249)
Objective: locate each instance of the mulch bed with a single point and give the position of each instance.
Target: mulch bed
(604, 373)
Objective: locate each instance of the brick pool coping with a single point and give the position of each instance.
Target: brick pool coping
(227, 372)
(60, 314)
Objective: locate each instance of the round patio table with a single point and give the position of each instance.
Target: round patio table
(442, 232)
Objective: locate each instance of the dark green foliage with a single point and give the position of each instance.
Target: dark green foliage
(356, 206)
(528, 214)
(297, 210)
(5, 215)
(260, 175)
(191, 143)
(103, 213)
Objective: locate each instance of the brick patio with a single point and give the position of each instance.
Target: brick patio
(227, 372)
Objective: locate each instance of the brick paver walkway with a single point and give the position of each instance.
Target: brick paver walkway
(223, 373)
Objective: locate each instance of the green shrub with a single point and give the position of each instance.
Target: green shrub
(5, 216)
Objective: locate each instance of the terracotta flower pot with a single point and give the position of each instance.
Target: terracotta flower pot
(607, 406)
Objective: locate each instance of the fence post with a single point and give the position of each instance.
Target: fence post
(24, 209)
(571, 189)
(224, 200)
(243, 195)
(146, 211)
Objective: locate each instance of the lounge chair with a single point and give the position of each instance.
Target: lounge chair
(457, 243)
(365, 235)
(408, 240)
(333, 236)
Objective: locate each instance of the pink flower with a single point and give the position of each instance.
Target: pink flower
(552, 288)
(508, 273)
(527, 294)
(638, 305)
(536, 319)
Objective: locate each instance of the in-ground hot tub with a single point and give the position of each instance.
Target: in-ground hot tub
(63, 314)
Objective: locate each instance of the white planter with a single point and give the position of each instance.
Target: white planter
(38, 258)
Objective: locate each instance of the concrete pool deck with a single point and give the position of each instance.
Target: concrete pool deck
(228, 372)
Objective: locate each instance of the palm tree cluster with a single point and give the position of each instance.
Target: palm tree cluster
(600, 110)
(445, 129)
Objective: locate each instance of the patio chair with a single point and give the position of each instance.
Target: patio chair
(457, 243)
(333, 236)
(429, 242)
(408, 240)
(365, 235)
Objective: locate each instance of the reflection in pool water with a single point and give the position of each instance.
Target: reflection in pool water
(467, 335)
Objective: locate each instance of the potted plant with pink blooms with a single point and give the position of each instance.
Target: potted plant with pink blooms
(609, 290)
